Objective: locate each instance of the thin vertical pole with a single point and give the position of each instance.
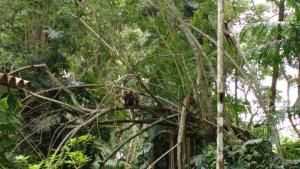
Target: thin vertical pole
(220, 86)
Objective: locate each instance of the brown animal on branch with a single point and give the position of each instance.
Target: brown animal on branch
(130, 98)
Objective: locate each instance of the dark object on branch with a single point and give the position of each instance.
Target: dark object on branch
(189, 8)
(191, 100)
(130, 98)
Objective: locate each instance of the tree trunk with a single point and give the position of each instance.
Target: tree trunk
(220, 86)
(272, 130)
(181, 132)
(172, 153)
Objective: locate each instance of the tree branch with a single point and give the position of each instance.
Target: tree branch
(57, 102)
(55, 80)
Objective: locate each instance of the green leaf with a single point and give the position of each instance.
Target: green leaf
(11, 102)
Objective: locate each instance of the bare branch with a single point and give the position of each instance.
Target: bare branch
(26, 67)
(57, 102)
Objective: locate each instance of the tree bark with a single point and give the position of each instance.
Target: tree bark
(272, 130)
(220, 87)
(181, 132)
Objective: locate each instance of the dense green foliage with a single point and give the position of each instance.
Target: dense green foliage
(81, 55)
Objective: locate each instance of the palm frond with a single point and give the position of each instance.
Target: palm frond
(262, 30)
